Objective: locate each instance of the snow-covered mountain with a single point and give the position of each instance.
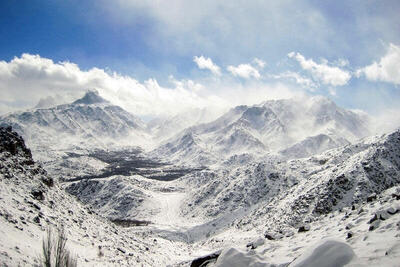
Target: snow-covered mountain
(297, 190)
(296, 127)
(275, 178)
(269, 199)
(87, 122)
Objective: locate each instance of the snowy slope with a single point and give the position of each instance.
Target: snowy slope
(31, 202)
(313, 145)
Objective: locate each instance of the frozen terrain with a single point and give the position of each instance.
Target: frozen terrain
(282, 183)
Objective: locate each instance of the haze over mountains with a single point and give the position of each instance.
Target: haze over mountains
(185, 187)
(297, 128)
(294, 127)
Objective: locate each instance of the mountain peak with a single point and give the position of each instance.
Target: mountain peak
(91, 97)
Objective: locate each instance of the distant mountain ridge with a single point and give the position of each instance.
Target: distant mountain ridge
(295, 127)
(91, 120)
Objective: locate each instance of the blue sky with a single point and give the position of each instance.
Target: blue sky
(160, 40)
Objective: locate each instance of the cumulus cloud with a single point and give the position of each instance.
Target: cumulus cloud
(206, 63)
(244, 71)
(25, 80)
(302, 81)
(387, 69)
(331, 75)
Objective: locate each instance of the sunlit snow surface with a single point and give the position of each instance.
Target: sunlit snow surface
(225, 185)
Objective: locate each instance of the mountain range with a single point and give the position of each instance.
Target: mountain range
(290, 127)
(257, 185)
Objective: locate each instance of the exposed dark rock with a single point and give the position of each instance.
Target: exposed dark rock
(13, 143)
(47, 181)
(396, 196)
(304, 228)
(122, 250)
(203, 261)
(374, 225)
(373, 218)
(269, 236)
(371, 197)
(36, 206)
(36, 219)
(37, 194)
(349, 235)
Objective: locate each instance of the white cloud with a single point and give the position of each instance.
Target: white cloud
(303, 81)
(188, 84)
(260, 63)
(244, 71)
(387, 69)
(330, 75)
(206, 63)
(27, 79)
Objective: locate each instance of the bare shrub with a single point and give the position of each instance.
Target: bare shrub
(54, 251)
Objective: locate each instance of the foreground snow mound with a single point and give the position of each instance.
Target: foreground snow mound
(327, 253)
(233, 257)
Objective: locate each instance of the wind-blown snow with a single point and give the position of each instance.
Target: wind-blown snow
(297, 127)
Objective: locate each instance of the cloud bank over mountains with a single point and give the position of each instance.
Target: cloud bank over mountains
(29, 79)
